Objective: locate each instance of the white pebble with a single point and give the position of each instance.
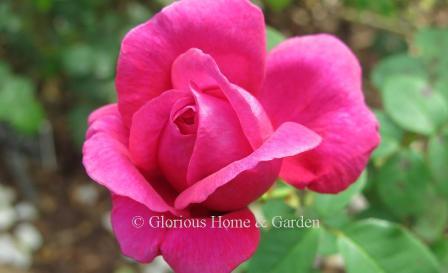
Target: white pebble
(26, 211)
(106, 221)
(8, 217)
(358, 204)
(158, 265)
(28, 237)
(335, 261)
(7, 196)
(87, 194)
(11, 254)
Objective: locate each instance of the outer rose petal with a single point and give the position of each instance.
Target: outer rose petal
(232, 31)
(289, 139)
(130, 223)
(109, 109)
(188, 250)
(316, 81)
(107, 161)
(211, 250)
(245, 188)
(107, 119)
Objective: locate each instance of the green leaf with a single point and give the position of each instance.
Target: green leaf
(355, 257)
(79, 60)
(242, 268)
(384, 7)
(10, 21)
(278, 5)
(327, 243)
(18, 105)
(431, 224)
(376, 207)
(138, 13)
(277, 207)
(403, 183)
(4, 73)
(43, 5)
(442, 87)
(329, 204)
(431, 44)
(387, 44)
(273, 37)
(285, 251)
(438, 160)
(414, 105)
(397, 65)
(391, 136)
(375, 246)
(388, 127)
(440, 249)
(104, 65)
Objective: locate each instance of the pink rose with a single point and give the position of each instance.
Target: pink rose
(205, 123)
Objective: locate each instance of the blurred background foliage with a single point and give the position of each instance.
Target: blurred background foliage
(57, 64)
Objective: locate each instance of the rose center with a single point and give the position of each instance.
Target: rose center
(185, 119)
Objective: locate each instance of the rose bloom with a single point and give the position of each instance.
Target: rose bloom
(206, 121)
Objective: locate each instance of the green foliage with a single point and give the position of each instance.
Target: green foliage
(406, 189)
(403, 183)
(431, 45)
(438, 160)
(395, 65)
(432, 222)
(414, 104)
(327, 205)
(285, 251)
(391, 137)
(409, 179)
(375, 246)
(386, 7)
(273, 37)
(441, 251)
(79, 60)
(277, 207)
(18, 106)
(278, 5)
(69, 45)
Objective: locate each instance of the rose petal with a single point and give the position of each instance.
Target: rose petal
(175, 149)
(245, 188)
(212, 249)
(148, 125)
(232, 31)
(289, 139)
(198, 71)
(219, 138)
(130, 223)
(107, 161)
(102, 111)
(201, 69)
(107, 119)
(316, 81)
(207, 246)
